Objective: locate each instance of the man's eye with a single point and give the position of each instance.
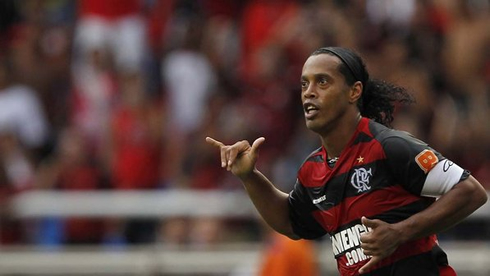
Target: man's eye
(304, 84)
(323, 81)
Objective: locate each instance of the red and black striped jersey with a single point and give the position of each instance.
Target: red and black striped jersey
(379, 175)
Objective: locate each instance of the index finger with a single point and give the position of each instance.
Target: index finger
(213, 142)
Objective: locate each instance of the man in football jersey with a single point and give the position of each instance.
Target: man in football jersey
(371, 188)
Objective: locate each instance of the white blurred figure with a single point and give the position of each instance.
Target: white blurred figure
(94, 92)
(23, 128)
(116, 25)
(188, 82)
(21, 112)
(18, 168)
(110, 39)
(189, 78)
(396, 13)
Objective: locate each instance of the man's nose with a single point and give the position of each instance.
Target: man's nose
(310, 92)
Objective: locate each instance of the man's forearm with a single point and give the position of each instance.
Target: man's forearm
(271, 203)
(450, 209)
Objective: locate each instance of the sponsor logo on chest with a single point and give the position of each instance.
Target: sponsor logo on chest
(348, 243)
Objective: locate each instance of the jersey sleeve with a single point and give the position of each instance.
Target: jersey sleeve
(419, 168)
(442, 178)
(300, 213)
(410, 160)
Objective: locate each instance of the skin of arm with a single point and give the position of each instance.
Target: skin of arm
(271, 203)
(452, 207)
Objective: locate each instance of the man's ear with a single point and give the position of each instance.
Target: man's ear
(355, 92)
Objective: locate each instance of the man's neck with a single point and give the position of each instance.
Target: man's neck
(336, 140)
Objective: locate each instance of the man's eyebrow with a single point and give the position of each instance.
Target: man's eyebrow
(317, 76)
(323, 75)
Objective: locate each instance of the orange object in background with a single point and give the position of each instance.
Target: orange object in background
(284, 257)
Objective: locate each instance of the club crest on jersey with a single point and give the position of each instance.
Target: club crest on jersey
(360, 179)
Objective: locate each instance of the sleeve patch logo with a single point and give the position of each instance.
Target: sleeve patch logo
(426, 160)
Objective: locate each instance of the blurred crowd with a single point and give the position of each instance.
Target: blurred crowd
(119, 94)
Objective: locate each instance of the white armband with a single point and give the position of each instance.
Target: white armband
(442, 178)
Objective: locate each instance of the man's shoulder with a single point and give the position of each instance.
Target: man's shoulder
(399, 145)
(384, 134)
(312, 162)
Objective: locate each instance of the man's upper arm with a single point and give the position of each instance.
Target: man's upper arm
(419, 168)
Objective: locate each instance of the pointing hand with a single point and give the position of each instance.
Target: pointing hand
(239, 158)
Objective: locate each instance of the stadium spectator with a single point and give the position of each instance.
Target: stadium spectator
(117, 26)
(72, 167)
(133, 149)
(188, 82)
(22, 112)
(134, 141)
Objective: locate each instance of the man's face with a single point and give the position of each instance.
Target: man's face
(324, 93)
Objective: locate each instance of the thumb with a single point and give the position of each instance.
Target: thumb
(369, 265)
(257, 143)
(371, 223)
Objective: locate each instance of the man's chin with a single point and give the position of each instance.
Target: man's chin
(318, 127)
(313, 126)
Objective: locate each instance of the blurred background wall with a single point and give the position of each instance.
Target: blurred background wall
(104, 106)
